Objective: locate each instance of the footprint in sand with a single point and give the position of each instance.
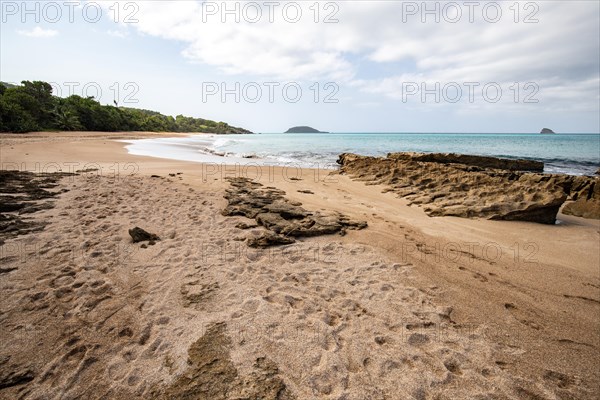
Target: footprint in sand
(519, 316)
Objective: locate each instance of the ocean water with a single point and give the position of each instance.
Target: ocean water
(576, 154)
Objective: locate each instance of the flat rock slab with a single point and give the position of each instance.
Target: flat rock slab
(283, 219)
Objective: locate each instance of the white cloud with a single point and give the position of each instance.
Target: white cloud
(560, 50)
(38, 32)
(118, 34)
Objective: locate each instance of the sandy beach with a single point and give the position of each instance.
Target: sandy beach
(410, 307)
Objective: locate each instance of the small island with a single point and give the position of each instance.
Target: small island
(547, 131)
(303, 129)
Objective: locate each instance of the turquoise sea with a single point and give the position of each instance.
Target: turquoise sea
(577, 154)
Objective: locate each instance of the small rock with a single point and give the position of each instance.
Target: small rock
(380, 340)
(140, 235)
(417, 339)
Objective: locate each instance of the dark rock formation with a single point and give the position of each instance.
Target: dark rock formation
(472, 186)
(303, 129)
(140, 235)
(284, 219)
(22, 193)
(476, 161)
(547, 131)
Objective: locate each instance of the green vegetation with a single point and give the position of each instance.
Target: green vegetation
(32, 107)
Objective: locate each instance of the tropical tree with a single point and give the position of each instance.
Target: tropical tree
(66, 119)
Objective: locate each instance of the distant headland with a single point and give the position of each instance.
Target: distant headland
(547, 131)
(303, 129)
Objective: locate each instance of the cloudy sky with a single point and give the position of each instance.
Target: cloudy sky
(347, 66)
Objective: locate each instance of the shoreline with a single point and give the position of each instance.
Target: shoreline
(183, 150)
(285, 149)
(536, 285)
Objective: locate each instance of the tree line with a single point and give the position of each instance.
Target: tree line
(31, 107)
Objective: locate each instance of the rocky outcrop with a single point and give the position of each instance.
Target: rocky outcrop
(283, 219)
(547, 131)
(473, 186)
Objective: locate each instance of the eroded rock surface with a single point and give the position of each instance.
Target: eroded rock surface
(473, 186)
(13, 375)
(585, 193)
(283, 218)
